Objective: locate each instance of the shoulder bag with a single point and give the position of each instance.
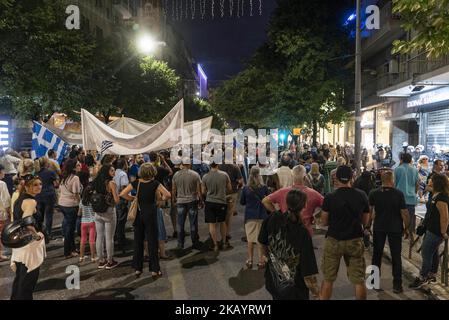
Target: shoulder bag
(134, 207)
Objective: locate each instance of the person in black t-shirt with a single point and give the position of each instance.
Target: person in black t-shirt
(391, 219)
(289, 249)
(436, 224)
(345, 211)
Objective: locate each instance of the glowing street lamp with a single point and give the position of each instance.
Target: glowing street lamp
(146, 44)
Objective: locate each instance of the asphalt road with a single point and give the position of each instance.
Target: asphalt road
(191, 274)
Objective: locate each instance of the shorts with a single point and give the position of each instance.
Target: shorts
(215, 212)
(352, 252)
(252, 229)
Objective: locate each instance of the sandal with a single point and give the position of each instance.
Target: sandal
(249, 264)
(261, 265)
(138, 273)
(156, 275)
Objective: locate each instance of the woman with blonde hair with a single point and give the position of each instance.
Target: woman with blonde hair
(255, 213)
(149, 193)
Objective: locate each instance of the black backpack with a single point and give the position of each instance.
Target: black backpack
(98, 202)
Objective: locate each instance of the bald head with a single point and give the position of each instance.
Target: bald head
(299, 173)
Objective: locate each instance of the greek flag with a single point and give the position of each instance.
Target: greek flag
(105, 145)
(44, 140)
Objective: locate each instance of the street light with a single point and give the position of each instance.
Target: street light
(146, 44)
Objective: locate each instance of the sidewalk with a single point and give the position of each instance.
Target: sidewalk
(412, 266)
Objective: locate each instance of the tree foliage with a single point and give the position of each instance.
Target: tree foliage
(45, 67)
(297, 77)
(430, 20)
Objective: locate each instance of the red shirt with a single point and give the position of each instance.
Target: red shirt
(314, 201)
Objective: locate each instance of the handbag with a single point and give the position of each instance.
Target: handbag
(134, 207)
(283, 285)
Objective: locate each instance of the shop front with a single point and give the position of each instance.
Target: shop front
(433, 111)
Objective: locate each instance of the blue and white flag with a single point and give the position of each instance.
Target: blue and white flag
(44, 140)
(105, 145)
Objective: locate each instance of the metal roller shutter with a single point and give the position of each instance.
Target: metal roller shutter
(438, 129)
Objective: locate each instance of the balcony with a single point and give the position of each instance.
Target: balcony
(418, 71)
(390, 30)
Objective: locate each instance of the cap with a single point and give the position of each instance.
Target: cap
(344, 174)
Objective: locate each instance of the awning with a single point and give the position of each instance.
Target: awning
(421, 83)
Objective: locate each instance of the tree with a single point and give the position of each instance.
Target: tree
(430, 20)
(149, 89)
(42, 64)
(296, 78)
(46, 68)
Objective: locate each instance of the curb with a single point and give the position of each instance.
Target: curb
(435, 291)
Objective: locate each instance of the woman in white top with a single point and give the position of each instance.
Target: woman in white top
(26, 261)
(69, 201)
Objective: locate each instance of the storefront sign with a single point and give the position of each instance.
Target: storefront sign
(428, 98)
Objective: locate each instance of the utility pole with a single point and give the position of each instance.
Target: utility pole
(358, 89)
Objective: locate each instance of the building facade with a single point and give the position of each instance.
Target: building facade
(405, 98)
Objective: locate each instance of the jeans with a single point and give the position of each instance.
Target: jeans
(185, 209)
(68, 228)
(430, 255)
(411, 212)
(105, 224)
(162, 233)
(395, 243)
(46, 205)
(24, 283)
(122, 217)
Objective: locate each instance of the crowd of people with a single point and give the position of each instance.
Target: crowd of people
(281, 211)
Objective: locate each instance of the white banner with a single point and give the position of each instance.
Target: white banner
(164, 134)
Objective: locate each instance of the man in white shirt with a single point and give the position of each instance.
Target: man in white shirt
(285, 173)
(5, 204)
(9, 164)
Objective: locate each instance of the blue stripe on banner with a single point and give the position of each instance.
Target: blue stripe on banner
(35, 144)
(36, 128)
(48, 135)
(41, 151)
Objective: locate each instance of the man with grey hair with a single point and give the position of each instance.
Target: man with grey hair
(279, 198)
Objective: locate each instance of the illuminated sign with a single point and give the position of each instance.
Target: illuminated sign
(4, 134)
(297, 131)
(429, 98)
(203, 93)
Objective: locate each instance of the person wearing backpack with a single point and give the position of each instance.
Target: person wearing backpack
(104, 199)
(292, 267)
(316, 178)
(69, 200)
(255, 213)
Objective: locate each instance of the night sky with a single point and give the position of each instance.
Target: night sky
(222, 44)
